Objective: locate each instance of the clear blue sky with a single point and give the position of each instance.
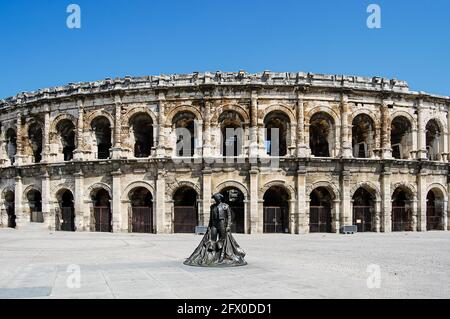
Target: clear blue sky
(150, 37)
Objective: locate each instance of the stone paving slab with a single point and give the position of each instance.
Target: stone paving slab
(38, 265)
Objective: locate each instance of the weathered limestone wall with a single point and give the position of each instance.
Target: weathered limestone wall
(253, 97)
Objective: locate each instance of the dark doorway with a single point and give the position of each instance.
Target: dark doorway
(103, 136)
(35, 136)
(66, 131)
(65, 221)
(102, 218)
(401, 211)
(433, 140)
(141, 215)
(363, 134)
(235, 199)
(142, 130)
(231, 126)
(276, 211)
(185, 210)
(435, 210)
(401, 138)
(184, 124)
(277, 126)
(10, 209)
(35, 204)
(363, 210)
(321, 135)
(11, 145)
(320, 220)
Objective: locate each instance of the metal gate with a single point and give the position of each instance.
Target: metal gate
(141, 220)
(319, 219)
(401, 219)
(102, 219)
(37, 217)
(11, 216)
(67, 219)
(433, 218)
(238, 220)
(276, 220)
(185, 219)
(362, 218)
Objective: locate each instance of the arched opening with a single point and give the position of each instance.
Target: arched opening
(401, 138)
(364, 210)
(277, 127)
(66, 131)
(141, 214)
(35, 140)
(402, 211)
(35, 204)
(142, 132)
(185, 210)
(433, 140)
(65, 219)
(102, 132)
(320, 220)
(363, 134)
(11, 145)
(231, 127)
(276, 210)
(102, 217)
(235, 198)
(321, 135)
(184, 124)
(435, 210)
(10, 208)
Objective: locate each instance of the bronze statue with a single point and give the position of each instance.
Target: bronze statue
(218, 247)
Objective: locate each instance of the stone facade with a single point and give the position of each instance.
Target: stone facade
(353, 151)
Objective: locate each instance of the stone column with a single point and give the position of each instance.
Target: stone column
(302, 197)
(207, 134)
(21, 220)
(335, 226)
(378, 216)
(254, 211)
(448, 136)
(445, 216)
(207, 194)
(46, 201)
(4, 158)
(421, 132)
(386, 197)
(116, 152)
(161, 148)
(19, 141)
(82, 215)
(421, 211)
(346, 209)
(78, 154)
(163, 226)
(346, 145)
(116, 203)
(254, 148)
(293, 216)
(46, 132)
(386, 148)
(246, 216)
(302, 147)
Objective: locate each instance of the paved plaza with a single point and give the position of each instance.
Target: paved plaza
(42, 264)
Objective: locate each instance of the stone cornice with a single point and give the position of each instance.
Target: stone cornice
(209, 80)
